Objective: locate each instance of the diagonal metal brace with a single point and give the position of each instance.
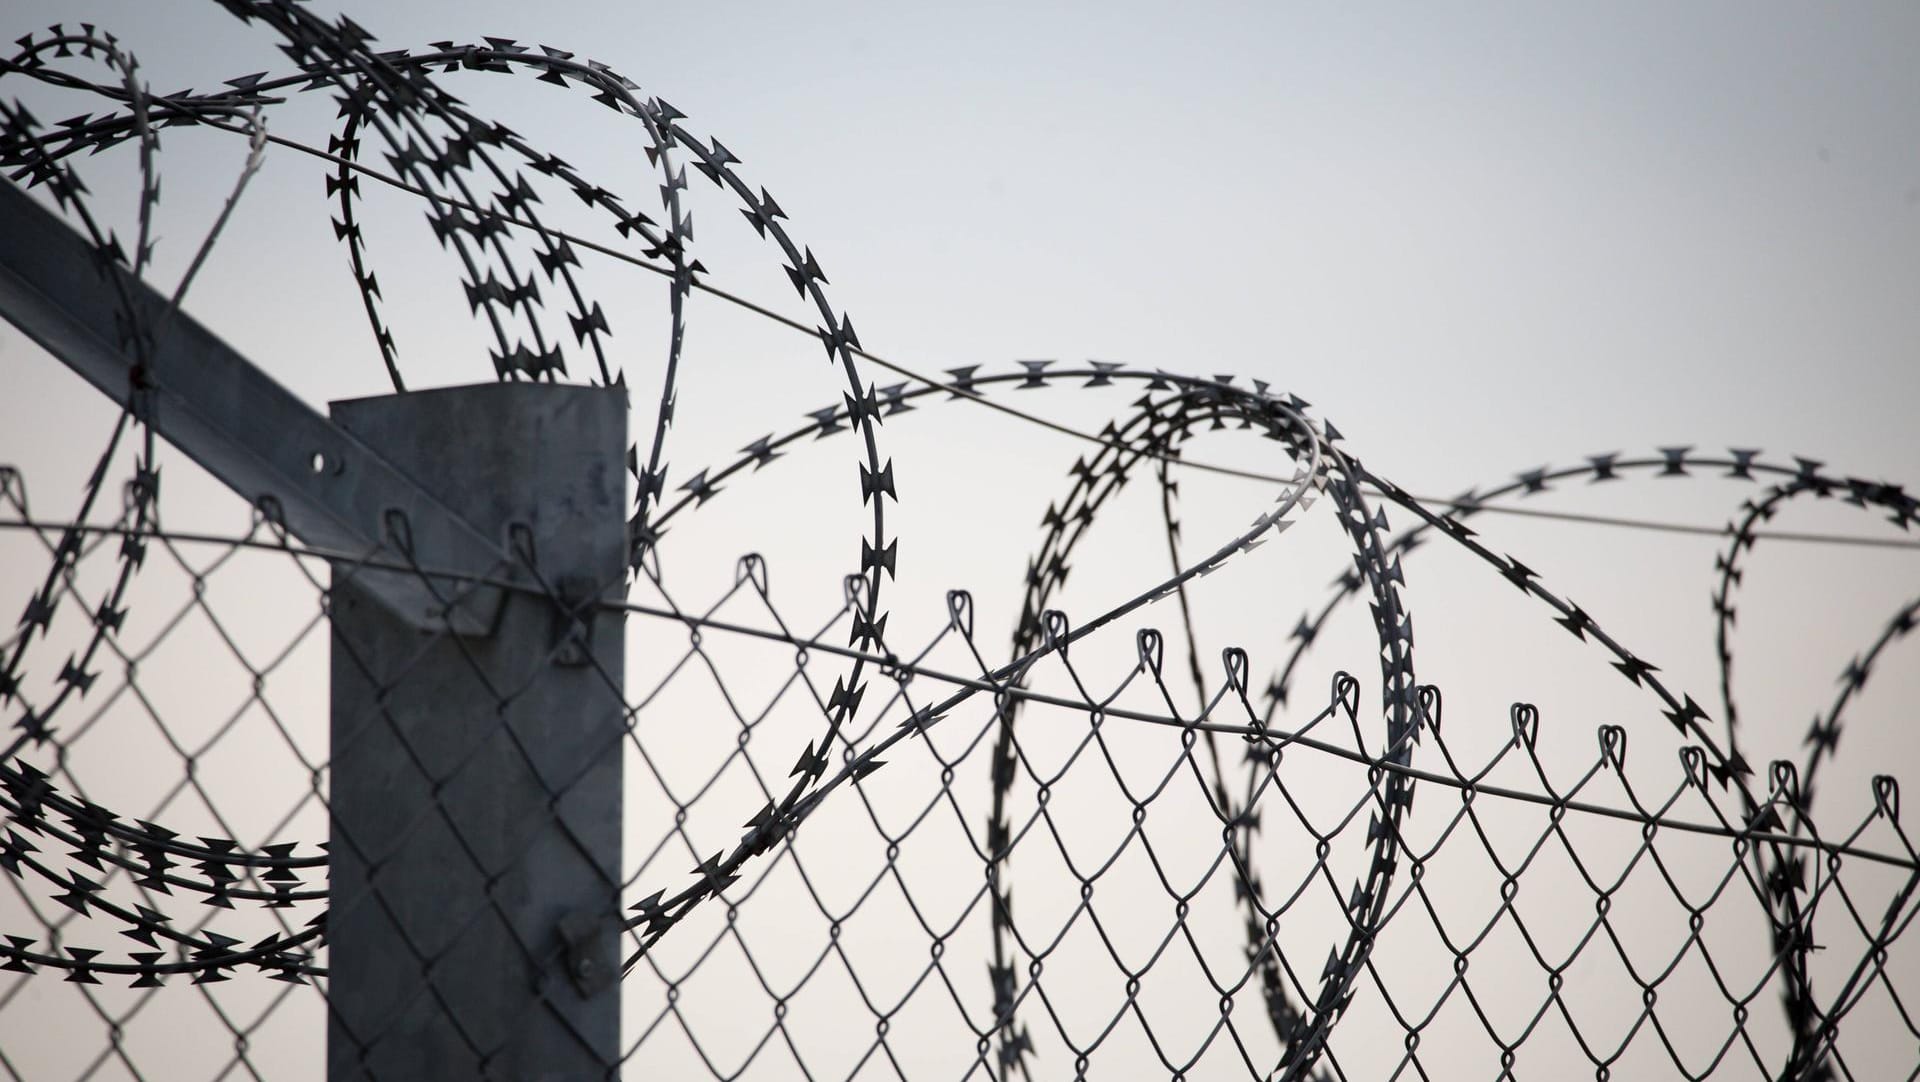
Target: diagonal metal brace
(223, 412)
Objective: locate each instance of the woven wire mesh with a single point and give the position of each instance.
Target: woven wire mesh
(1551, 906)
(857, 845)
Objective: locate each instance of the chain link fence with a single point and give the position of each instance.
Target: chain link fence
(284, 802)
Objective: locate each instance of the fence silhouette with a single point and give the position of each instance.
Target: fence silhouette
(769, 842)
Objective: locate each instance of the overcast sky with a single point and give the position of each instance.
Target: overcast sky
(1528, 232)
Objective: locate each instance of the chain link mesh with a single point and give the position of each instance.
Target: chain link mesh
(870, 842)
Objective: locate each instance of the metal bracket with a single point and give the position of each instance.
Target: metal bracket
(226, 414)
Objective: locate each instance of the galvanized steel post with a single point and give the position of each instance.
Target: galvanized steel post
(475, 783)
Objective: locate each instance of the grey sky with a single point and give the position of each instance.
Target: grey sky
(1698, 222)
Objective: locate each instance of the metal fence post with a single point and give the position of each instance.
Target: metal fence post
(475, 782)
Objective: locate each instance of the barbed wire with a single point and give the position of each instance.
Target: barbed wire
(941, 715)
